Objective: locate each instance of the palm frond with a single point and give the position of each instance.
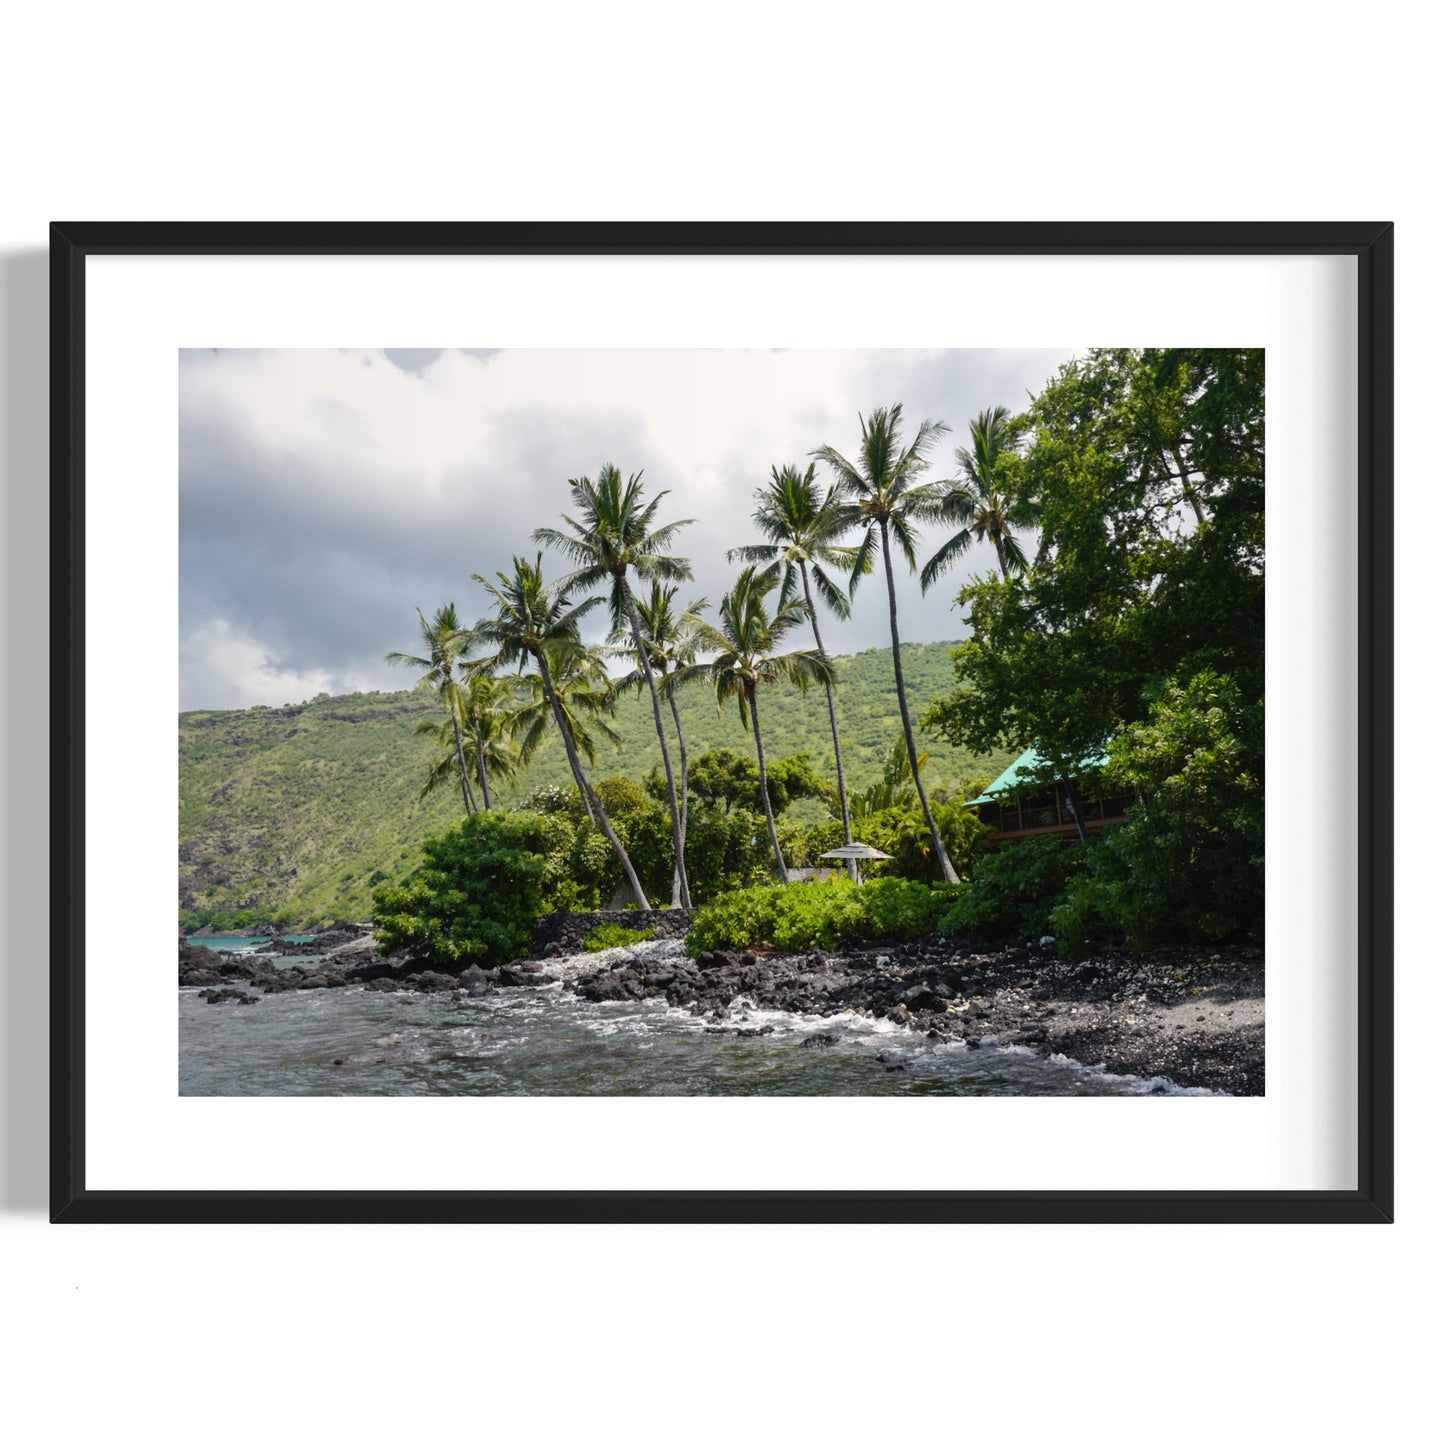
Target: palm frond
(945, 556)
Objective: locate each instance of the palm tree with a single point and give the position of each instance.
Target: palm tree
(491, 727)
(505, 759)
(613, 534)
(540, 623)
(671, 646)
(978, 500)
(446, 642)
(884, 486)
(746, 641)
(805, 528)
(585, 697)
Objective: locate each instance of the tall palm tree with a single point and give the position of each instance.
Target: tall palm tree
(884, 484)
(540, 623)
(615, 533)
(586, 698)
(978, 500)
(746, 641)
(672, 644)
(805, 528)
(446, 643)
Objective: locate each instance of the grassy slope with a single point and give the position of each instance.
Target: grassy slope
(296, 807)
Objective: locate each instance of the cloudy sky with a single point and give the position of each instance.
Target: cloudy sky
(325, 495)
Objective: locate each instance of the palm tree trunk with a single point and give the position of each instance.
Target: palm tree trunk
(1071, 796)
(593, 802)
(468, 800)
(767, 801)
(832, 722)
(679, 864)
(949, 875)
(1002, 556)
(682, 760)
(482, 775)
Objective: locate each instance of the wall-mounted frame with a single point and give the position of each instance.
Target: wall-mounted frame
(1318, 297)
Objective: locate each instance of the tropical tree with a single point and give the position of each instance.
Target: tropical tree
(885, 486)
(586, 699)
(613, 534)
(671, 638)
(490, 728)
(540, 623)
(746, 642)
(805, 527)
(979, 501)
(445, 642)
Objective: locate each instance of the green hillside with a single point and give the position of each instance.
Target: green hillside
(294, 810)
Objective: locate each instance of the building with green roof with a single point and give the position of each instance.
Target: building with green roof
(1017, 804)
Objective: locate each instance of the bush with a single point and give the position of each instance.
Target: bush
(475, 897)
(1188, 864)
(610, 934)
(1016, 888)
(804, 915)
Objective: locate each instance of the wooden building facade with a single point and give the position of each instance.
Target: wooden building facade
(1018, 808)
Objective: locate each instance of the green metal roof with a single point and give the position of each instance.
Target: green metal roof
(1012, 777)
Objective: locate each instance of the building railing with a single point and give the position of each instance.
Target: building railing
(1011, 820)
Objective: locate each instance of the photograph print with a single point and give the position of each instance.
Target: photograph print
(721, 722)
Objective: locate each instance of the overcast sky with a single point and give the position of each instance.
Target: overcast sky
(325, 495)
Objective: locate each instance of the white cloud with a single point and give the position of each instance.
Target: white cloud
(326, 494)
(222, 667)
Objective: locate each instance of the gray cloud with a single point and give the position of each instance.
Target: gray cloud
(324, 498)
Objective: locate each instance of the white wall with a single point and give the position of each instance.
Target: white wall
(757, 111)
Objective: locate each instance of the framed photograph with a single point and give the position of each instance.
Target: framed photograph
(730, 722)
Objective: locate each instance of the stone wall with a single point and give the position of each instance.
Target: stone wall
(558, 933)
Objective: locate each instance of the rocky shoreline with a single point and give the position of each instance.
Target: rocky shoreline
(1193, 1015)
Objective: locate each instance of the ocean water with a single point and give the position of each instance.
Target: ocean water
(546, 1041)
(249, 944)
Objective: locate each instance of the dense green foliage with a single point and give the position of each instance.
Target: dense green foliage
(475, 897)
(727, 780)
(1016, 889)
(288, 813)
(1189, 861)
(1138, 630)
(611, 934)
(805, 915)
(1145, 482)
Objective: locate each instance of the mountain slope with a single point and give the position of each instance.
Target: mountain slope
(293, 811)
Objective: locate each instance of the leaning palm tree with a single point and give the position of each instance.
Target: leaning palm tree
(446, 642)
(805, 528)
(613, 534)
(746, 641)
(671, 646)
(978, 501)
(586, 697)
(884, 486)
(540, 623)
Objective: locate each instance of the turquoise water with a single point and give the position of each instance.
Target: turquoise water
(248, 944)
(546, 1041)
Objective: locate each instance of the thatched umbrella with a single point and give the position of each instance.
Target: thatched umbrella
(857, 852)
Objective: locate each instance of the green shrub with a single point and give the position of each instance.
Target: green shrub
(805, 915)
(475, 897)
(1016, 888)
(1188, 864)
(611, 934)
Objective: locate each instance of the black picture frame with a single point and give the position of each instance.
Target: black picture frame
(1371, 243)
